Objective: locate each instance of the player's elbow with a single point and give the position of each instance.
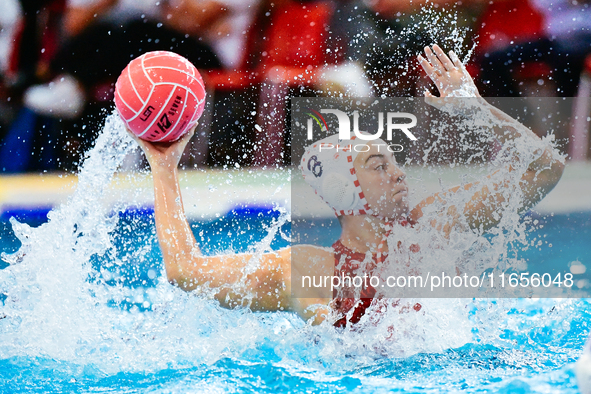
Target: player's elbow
(551, 176)
(552, 169)
(179, 281)
(179, 276)
(557, 170)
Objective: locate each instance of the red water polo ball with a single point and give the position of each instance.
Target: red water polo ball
(160, 96)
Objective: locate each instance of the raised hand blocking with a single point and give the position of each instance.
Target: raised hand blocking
(448, 73)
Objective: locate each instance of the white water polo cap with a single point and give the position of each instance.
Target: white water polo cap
(327, 166)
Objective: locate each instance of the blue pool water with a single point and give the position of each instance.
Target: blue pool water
(531, 352)
(85, 307)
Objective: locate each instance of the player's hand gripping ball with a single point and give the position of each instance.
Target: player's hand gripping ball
(160, 96)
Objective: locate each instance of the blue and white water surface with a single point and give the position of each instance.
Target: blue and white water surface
(86, 308)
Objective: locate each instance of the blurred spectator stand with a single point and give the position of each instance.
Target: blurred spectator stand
(102, 36)
(502, 25)
(30, 141)
(291, 45)
(35, 43)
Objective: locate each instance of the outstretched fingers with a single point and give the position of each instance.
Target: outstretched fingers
(435, 62)
(188, 135)
(456, 60)
(447, 71)
(444, 59)
(428, 68)
(438, 63)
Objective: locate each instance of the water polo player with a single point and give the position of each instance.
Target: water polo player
(369, 193)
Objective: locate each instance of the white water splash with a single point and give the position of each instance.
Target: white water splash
(56, 306)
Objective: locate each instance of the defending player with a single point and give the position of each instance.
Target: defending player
(364, 227)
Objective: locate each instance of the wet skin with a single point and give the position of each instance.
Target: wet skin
(268, 287)
(382, 181)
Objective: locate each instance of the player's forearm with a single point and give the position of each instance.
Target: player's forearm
(505, 127)
(548, 160)
(227, 275)
(175, 237)
(542, 162)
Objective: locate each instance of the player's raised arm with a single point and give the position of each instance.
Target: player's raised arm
(262, 282)
(542, 174)
(160, 96)
(186, 267)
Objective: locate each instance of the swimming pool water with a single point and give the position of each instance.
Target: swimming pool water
(191, 345)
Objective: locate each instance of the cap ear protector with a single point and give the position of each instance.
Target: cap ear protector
(339, 192)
